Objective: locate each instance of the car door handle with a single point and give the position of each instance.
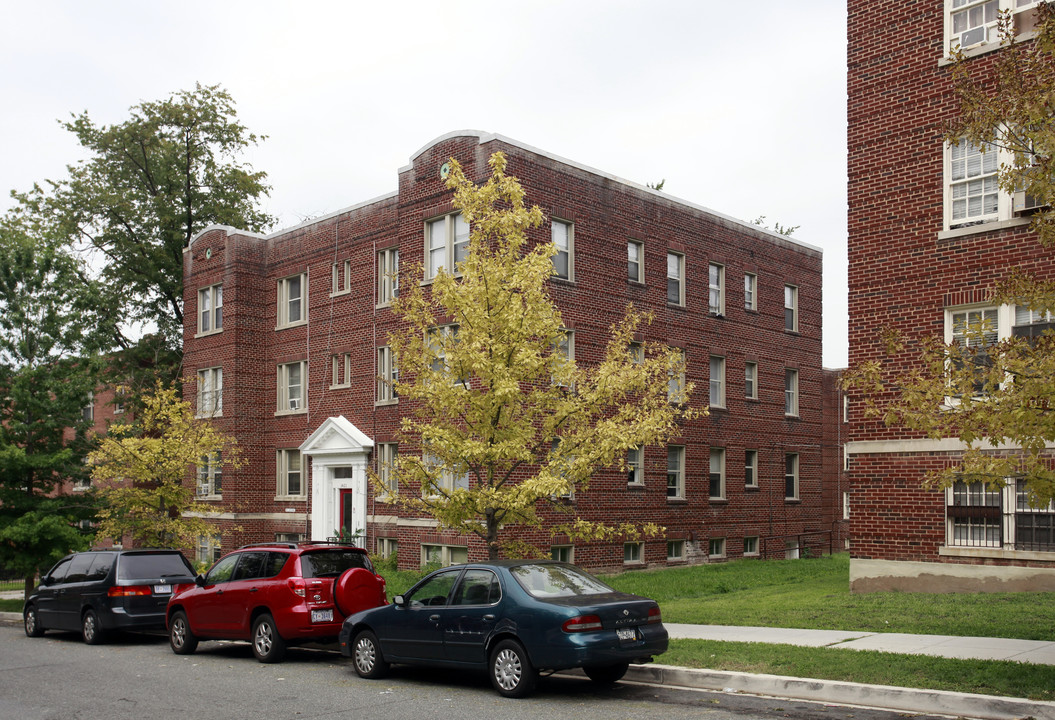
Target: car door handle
(489, 618)
(253, 589)
(434, 618)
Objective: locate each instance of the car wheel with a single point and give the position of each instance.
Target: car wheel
(32, 622)
(268, 645)
(606, 674)
(181, 639)
(366, 656)
(91, 630)
(512, 673)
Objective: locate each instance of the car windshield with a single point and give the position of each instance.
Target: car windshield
(149, 565)
(331, 563)
(553, 581)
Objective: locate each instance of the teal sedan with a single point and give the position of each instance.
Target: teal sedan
(512, 619)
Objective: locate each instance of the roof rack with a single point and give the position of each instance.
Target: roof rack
(298, 544)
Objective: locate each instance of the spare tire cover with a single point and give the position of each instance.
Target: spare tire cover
(356, 589)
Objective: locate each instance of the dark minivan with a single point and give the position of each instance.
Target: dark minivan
(102, 590)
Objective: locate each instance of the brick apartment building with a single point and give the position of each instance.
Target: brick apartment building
(929, 235)
(286, 337)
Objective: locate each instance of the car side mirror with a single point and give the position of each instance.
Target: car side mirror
(399, 601)
(199, 581)
(45, 581)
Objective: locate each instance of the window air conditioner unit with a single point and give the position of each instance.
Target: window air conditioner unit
(974, 36)
(1026, 203)
(203, 490)
(294, 403)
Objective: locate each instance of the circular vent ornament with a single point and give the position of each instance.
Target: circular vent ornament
(445, 170)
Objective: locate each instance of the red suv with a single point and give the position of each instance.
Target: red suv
(274, 595)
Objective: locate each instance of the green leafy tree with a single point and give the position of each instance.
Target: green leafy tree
(505, 421)
(139, 469)
(149, 185)
(785, 230)
(983, 392)
(45, 384)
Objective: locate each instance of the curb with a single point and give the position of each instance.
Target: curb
(939, 702)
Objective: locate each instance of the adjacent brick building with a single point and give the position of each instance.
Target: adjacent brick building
(286, 336)
(929, 235)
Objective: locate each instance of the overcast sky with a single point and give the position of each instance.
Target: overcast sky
(740, 107)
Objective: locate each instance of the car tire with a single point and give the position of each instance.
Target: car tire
(181, 639)
(268, 645)
(356, 589)
(511, 671)
(606, 674)
(91, 630)
(366, 656)
(31, 622)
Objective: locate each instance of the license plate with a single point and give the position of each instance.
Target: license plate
(162, 589)
(626, 634)
(321, 616)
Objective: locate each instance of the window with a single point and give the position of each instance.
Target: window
(675, 278)
(387, 375)
(973, 184)
(751, 468)
(635, 466)
(676, 381)
(441, 338)
(449, 479)
(981, 516)
(750, 292)
(210, 392)
(210, 309)
(675, 550)
(750, 546)
(444, 555)
(207, 550)
(292, 293)
(635, 261)
(446, 244)
(1025, 316)
(972, 22)
(562, 463)
(717, 474)
(341, 366)
(564, 357)
(716, 289)
(791, 476)
(675, 472)
(562, 553)
(791, 392)
(387, 547)
(292, 380)
(716, 548)
(791, 308)
(717, 384)
(88, 411)
(210, 475)
(751, 380)
(387, 275)
(633, 553)
(846, 506)
(564, 238)
(386, 461)
(637, 352)
(974, 330)
(341, 278)
(290, 481)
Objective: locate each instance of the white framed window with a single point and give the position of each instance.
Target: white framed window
(717, 381)
(971, 25)
(635, 261)
(675, 279)
(341, 280)
(716, 289)
(973, 193)
(751, 380)
(977, 327)
(207, 549)
(635, 466)
(791, 308)
(292, 383)
(563, 236)
(210, 309)
(791, 392)
(562, 553)
(633, 553)
(449, 478)
(750, 546)
(210, 475)
(564, 353)
(341, 370)
(1025, 316)
(88, 411)
(675, 471)
(675, 550)
(562, 464)
(439, 339)
(676, 381)
(637, 352)
(443, 555)
(716, 476)
(846, 506)
(290, 478)
(716, 548)
(446, 244)
(387, 276)
(210, 392)
(751, 468)
(386, 462)
(387, 375)
(791, 476)
(387, 547)
(292, 300)
(750, 291)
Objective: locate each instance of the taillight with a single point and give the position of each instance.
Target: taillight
(654, 615)
(298, 586)
(129, 590)
(583, 623)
